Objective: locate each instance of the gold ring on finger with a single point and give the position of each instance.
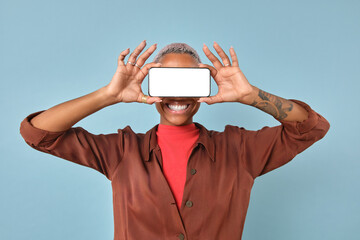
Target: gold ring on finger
(136, 65)
(144, 99)
(227, 64)
(130, 63)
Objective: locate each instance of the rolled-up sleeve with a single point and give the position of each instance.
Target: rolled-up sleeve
(101, 152)
(271, 147)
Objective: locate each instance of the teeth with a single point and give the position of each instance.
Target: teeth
(177, 107)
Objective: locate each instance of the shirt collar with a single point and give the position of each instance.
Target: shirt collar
(150, 141)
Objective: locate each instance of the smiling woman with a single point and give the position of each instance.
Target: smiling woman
(178, 180)
(177, 111)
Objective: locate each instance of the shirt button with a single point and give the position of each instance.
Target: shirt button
(193, 171)
(181, 236)
(189, 204)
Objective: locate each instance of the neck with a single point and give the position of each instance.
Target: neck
(165, 122)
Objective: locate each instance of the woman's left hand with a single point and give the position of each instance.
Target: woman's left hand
(232, 83)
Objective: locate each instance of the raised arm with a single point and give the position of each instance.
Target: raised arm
(234, 87)
(279, 108)
(125, 86)
(51, 131)
(266, 149)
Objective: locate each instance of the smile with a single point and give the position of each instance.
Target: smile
(177, 108)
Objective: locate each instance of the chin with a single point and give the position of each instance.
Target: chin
(180, 116)
(177, 122)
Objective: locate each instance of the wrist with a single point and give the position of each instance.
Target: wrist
(249, 96)
(106, 98)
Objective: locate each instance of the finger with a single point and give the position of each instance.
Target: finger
(122, 57)
(234, 58)
(145, 70)
(215, 61)
(213, 71)
(142, 59)
(149, 100)
(222, 54)
(209, 100)
(136, 52)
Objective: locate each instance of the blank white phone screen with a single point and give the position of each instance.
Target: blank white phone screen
(179, 82)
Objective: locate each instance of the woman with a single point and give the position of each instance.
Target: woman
(178, 180)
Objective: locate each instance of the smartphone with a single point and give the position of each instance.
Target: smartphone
(179, 82)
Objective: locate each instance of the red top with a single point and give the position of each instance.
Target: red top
(176, 144)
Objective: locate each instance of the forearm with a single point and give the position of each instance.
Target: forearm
(279, 108)
(63, 116)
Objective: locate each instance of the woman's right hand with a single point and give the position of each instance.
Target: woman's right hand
(125, 85)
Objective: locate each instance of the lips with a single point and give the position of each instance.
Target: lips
(177, 107)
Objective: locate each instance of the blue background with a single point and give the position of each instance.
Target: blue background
(54, 51)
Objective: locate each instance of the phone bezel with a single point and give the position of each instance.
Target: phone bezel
(180, 68)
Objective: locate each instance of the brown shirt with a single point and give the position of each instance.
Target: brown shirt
(220, 174)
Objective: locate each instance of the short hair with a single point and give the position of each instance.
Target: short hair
(181, 48)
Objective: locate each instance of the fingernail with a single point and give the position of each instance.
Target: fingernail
(232, 47)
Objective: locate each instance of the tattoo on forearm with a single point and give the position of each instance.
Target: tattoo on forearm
(276, 106)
